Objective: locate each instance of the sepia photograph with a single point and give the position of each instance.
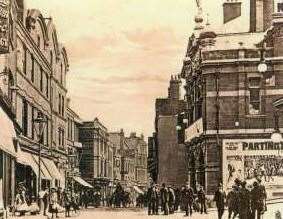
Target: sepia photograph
(135, 109)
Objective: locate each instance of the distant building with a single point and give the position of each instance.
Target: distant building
(95, 162)
(139, 147)
(171, 156)
(152, 159)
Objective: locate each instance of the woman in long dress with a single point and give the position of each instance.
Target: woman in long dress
(53, 207)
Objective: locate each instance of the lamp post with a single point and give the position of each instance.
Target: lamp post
(40, 123)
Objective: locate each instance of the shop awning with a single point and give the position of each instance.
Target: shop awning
(28, 159)
(7, 134)
(82, 182)
(53, 170)
(138, 190)
(44, 170)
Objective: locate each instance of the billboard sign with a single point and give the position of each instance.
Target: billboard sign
(4, 26)
(249, 159)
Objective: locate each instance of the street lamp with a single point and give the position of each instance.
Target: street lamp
(40, 123)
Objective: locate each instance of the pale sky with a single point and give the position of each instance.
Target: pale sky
(122, 53)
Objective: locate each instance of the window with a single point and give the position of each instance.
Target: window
(280, 6)
(61, 73)
(25, 117)
(41, 79)
(47, 85)
(51, 59)
(59, 104)
(59, 137)
(25, 60)
(32, 68)
(63, 106)
(254, 89)
(32, 121)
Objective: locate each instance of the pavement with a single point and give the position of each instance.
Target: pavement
(133, 213)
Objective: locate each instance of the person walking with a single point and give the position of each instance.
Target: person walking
(219, 198)
(67, 202)
(244, 202)
(233, 202)
(152, 197)
(53, 206)
(45, 200)
(258, 198)
(188, 200)
(171, 202)
(202, 200)
(164, 193)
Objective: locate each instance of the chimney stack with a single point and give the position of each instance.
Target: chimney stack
(261, 15)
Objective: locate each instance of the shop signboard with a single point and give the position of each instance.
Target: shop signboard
(4, 26)
(249, 159)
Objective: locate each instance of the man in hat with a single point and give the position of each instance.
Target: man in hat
(244, 201)
(164, 193)
(219, 198)
(152, 198)
(172, 198)
(188, 199)
(202, 200)
(67, 202)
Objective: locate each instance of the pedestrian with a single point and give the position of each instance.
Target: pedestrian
(244, 202)
(171, 202)
(177, 199)
(45, 200)
(202, 200)
(152, 197)
(258, 199)
(67, 202)
(53, 206)
(233, 202)
(164, 193)
(219, 198)
(188, 199)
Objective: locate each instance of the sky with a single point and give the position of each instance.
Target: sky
(122, 53)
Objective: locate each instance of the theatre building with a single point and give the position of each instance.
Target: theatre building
(234, 86)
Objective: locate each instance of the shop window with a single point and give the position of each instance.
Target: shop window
(254, 98)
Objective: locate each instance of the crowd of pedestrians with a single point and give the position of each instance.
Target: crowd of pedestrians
(243, 201)
(169, 199)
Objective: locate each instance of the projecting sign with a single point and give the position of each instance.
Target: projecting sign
(4, 26)
(248, 159)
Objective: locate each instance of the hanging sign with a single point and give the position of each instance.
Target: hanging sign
(4, 26)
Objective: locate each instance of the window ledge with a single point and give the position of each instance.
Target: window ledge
(255, 116)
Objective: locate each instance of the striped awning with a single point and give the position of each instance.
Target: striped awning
(53, 170)
(82, 182)
(28, 159)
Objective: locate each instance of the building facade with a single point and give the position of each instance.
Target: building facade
(95, 162)
(232, 83)
(170, 171)
(36, 66)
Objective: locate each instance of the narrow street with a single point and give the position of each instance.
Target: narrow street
(105, 213)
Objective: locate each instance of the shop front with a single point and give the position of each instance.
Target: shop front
(252, 159)
(27, 169)
(7, 162)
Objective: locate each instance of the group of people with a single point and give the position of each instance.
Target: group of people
(54, 201)
(171, 199)
(245, 201)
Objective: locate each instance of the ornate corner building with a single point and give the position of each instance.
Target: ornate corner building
(232, 83)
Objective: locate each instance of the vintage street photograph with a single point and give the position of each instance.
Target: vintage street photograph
(135, 109)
